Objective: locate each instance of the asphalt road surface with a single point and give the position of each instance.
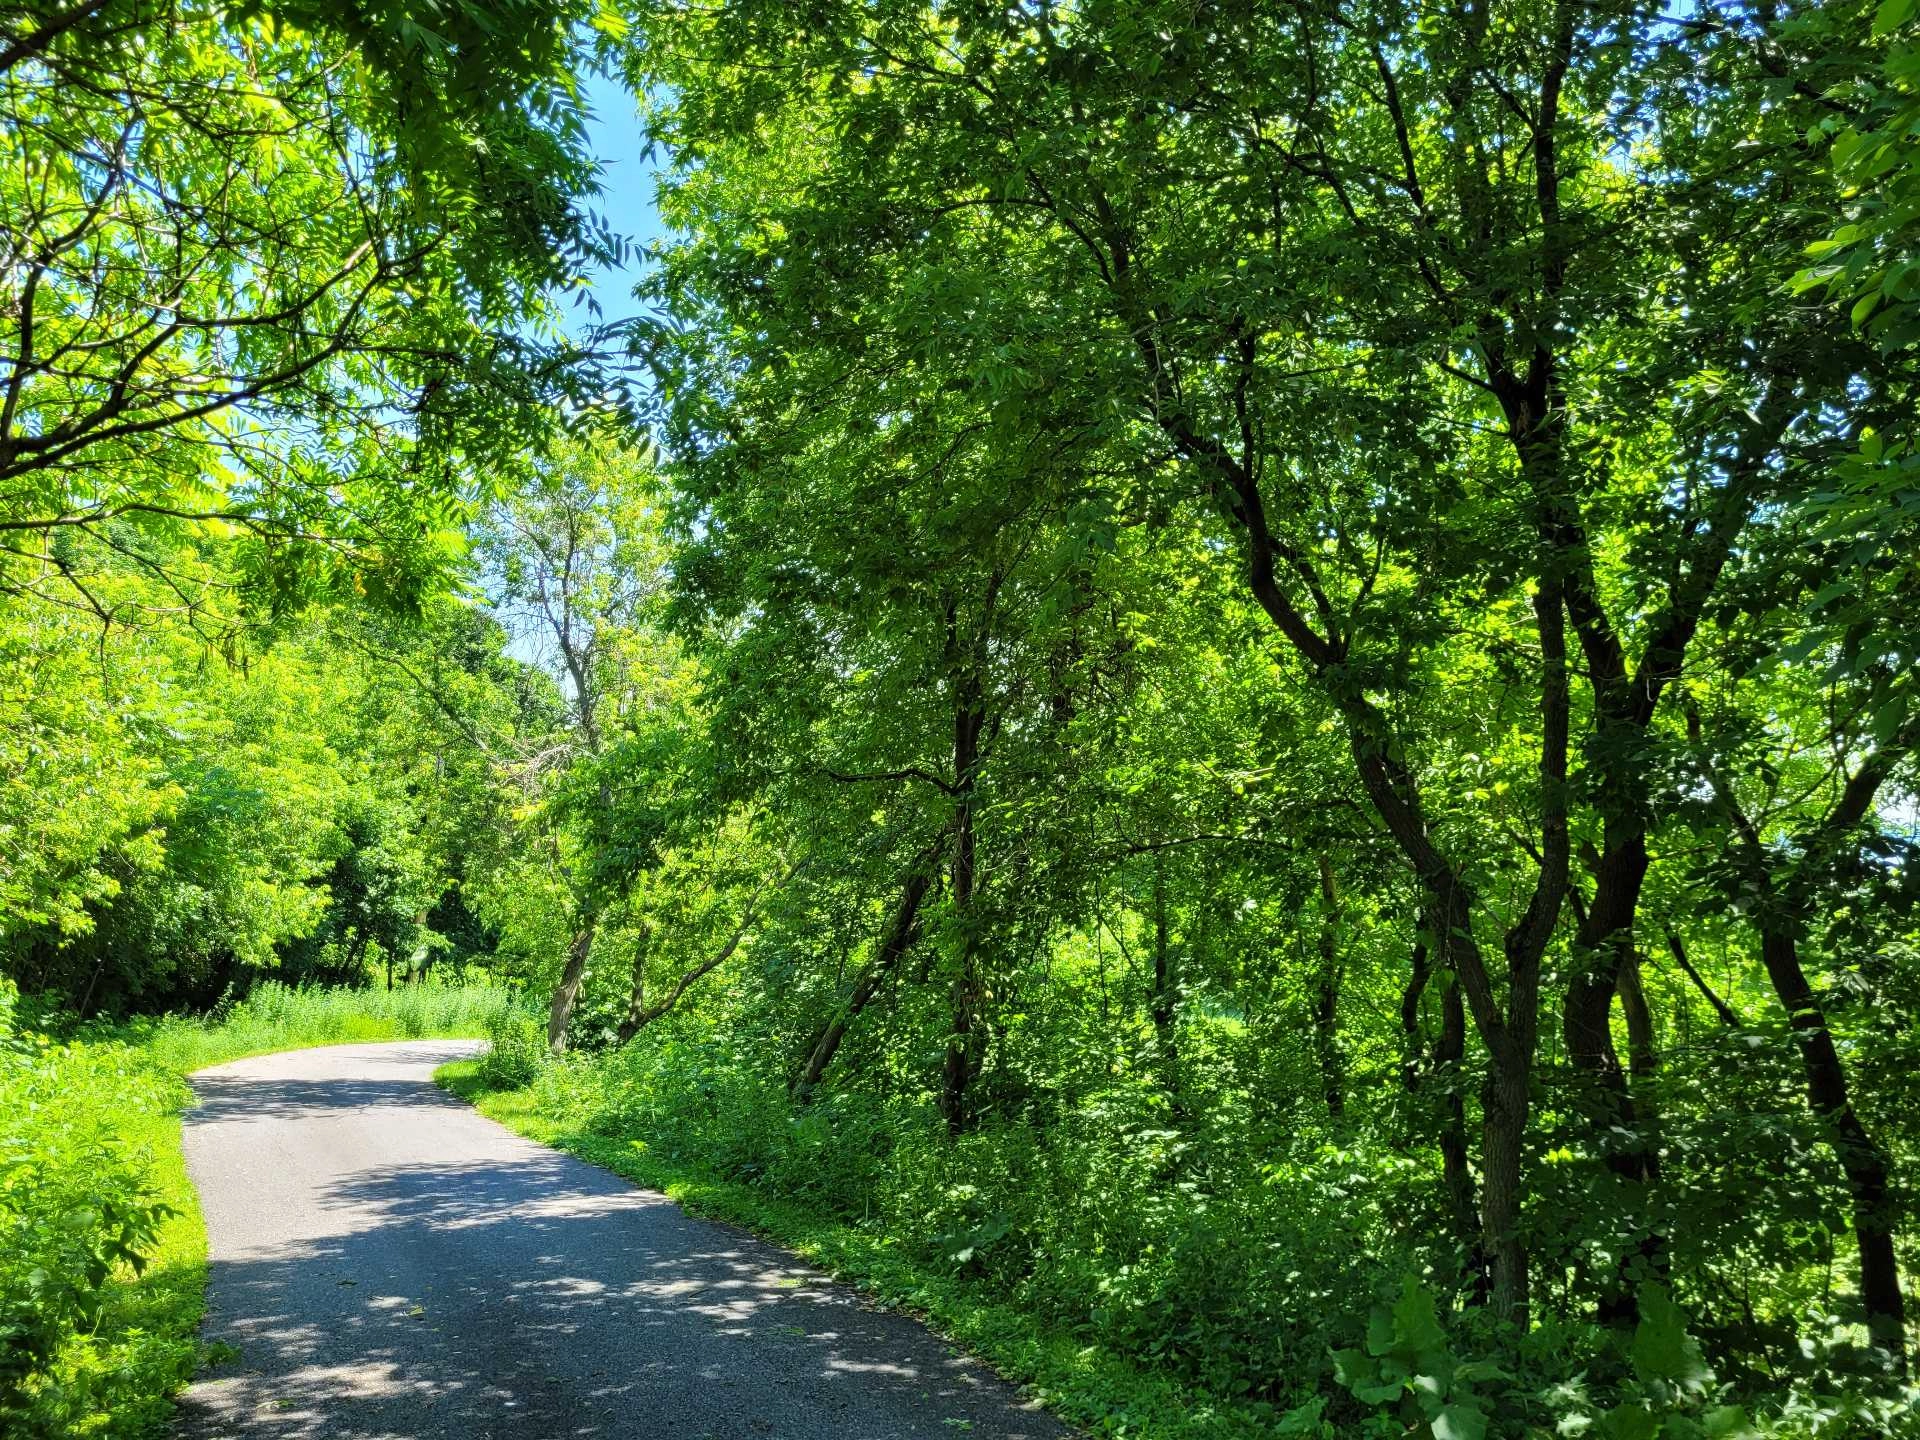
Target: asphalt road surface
(390, 1265)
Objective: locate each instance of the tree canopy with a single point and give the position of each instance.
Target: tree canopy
(1249, 679)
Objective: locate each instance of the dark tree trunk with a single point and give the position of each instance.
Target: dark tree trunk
(1326, 1005)
(1455, 1169)
(1678, 949)
(1623, 1129)
(902, 933)
(560, 1015)
(1504, 1102)
(1601, 945)
(1436, 1076)
(1864, 1163)
(965, 1043)
(1414, 1055)
(1165, 991)
(1783, 896)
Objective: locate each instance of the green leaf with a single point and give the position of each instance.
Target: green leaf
(1381, 1336)
(1416, 1328)
(1460, 1422)
(1661, 1348)
(1353, 1368)
(1727, 1422)
(1630, 1421)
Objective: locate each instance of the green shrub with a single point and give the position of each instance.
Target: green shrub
(78, 1211)
(1414, 1379)
(516, 1049)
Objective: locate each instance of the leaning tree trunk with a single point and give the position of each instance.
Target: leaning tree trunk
(903, 931)
(1642, 1058)
(1782, 899)
(1862, 1160)
(560, 1015)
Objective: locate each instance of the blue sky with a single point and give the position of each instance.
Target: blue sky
(627, 184)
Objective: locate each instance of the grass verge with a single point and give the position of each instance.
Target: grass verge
(1094, 1387)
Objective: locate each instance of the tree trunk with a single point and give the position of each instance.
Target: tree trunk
(1601, 946)
(1504, 1101)
(1415, 1052)
(631, 1022)
(1326, 1007)
(1442, 1070)
(1642, 1059)
(568, 990)
(1455, 1170)
(965, 1046)
(1869, 1183)
(1622, 1130)
(1782, 898)
(965, 1042)
(1678, 949)
(1505, 1096)
(902, 932)
(1165, 1016)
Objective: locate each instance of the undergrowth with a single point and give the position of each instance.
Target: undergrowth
(1135, 1290)
(1090, 1383)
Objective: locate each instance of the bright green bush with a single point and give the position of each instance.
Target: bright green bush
(517, 1047)
(78, 1211)
(1102, 1229)
(1265, 1278)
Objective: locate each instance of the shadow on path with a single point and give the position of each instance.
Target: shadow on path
(390, 1264)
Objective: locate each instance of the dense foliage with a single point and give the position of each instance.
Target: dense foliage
(76, 1208)
(1252, 694)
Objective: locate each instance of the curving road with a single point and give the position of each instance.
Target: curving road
(390, 1265)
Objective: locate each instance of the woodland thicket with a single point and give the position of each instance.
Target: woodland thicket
(1242, 675)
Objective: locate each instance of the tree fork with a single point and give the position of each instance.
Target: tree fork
(631, 1022)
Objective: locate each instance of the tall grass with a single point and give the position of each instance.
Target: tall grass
(282, 1017)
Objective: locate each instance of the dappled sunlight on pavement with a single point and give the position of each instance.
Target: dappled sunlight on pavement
(388, 1263)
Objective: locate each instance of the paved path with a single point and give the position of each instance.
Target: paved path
(391, 1265)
